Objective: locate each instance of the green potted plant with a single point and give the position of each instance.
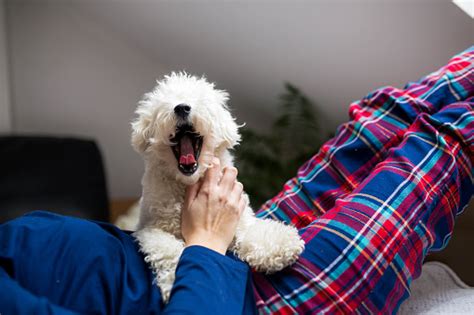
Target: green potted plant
(266, 161)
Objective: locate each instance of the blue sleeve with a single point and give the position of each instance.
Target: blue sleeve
(208, 283)
(51, 264)
(16, 300)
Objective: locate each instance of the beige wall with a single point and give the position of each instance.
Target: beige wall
(5, 114)
(73, 76)
(78, 67)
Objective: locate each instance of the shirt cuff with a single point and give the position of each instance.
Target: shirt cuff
(228, 260)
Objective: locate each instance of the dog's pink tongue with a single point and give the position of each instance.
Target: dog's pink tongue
(187, 151)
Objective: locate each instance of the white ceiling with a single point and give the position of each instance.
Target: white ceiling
(336, 51)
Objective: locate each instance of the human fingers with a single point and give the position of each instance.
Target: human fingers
(212, 177)
(242, 204)
(235, 194)
(191, 193)
(228, 180)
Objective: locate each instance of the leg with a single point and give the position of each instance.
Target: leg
(362, 254)
(378, 123)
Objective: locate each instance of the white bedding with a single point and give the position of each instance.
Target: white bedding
(439, 291)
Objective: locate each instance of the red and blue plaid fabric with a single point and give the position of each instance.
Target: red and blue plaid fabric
(377, 198)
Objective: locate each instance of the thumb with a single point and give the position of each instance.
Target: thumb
(191, 193)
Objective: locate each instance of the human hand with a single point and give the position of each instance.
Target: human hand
(212, 209)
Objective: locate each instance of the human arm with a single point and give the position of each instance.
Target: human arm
(207, 281)
(212, 209)
(15, 299)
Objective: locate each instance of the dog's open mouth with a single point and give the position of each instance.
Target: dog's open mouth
(187, 144)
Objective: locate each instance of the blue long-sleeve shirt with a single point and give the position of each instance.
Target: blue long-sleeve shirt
(51, 264)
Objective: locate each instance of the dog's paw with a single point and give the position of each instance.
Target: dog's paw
(162, 252)
(269, 246)
(165, 278)
(165, 283)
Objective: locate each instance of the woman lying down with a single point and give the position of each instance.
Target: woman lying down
(370, 205)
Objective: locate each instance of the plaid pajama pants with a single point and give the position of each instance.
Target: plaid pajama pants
(377, 198)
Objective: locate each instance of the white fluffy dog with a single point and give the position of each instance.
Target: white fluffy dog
(183, 116)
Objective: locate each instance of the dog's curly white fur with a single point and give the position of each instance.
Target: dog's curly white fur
(267, 245)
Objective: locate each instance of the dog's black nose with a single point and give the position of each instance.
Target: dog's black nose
(182, 110)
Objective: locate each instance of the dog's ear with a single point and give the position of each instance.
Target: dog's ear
(227, 128)
(230, 133)
(142, 130)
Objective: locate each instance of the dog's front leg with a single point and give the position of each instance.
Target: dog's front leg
(267, 245)
(162, 251)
